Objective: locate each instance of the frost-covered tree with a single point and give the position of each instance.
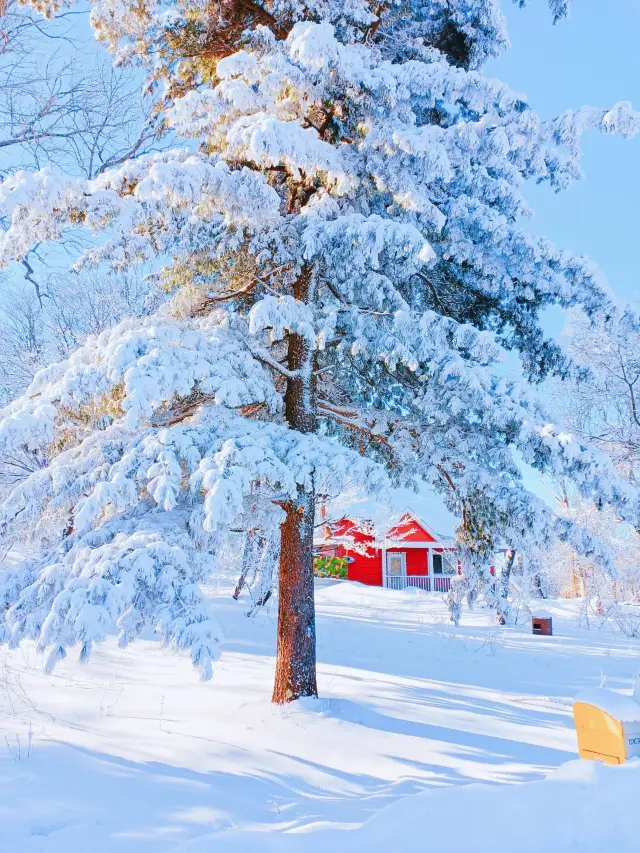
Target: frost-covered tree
(611, 595)
(60, 105)
(35, 332)
(603, 408)
(341, 232)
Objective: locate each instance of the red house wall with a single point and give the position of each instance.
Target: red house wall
(416, 561)
(415, 558)
(367, 567)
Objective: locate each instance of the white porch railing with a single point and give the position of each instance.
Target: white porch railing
(428, 583)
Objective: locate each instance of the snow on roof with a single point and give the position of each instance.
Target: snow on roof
(384, 513)
(541, 614)
(620, 707)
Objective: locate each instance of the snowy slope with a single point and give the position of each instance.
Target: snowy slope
(131, 753)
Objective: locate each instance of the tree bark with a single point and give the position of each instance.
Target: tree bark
(505, 578)
(537, 585)
(264, 576)
(296, 656)
(249, 560)
(296, 659)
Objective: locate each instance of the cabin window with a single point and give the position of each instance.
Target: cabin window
(437, 564)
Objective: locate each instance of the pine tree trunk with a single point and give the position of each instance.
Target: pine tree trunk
(296, 656)
(296, 660)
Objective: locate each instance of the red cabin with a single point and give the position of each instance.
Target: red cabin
(411, 554)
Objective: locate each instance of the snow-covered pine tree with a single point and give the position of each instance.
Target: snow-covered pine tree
(342, 233)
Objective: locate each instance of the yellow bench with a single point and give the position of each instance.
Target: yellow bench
(608, 726)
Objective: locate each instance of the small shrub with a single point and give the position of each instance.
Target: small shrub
(330, 567)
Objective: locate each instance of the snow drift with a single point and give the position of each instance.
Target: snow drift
(583, 806)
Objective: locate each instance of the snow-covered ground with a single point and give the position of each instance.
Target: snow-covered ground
(132, 753)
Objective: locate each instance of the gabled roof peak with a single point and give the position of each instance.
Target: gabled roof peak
(408, 514)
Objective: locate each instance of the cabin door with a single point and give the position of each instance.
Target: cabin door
(396, 570)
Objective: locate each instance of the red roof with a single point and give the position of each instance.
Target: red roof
(409, 529)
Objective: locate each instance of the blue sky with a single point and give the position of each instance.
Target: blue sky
(591, 58)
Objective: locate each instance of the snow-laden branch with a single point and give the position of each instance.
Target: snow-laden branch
(134, 370)
(133, 574)
(148, 205)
